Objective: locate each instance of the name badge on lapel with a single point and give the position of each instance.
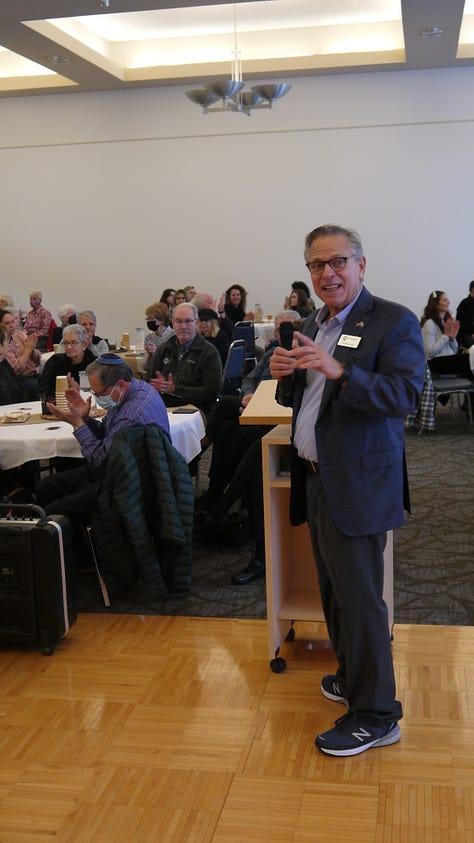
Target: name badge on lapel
(348, 341)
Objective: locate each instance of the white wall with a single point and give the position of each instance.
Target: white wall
(108, 198)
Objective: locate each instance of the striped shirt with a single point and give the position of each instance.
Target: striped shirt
(142, 405)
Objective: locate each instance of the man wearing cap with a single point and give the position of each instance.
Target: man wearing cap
(128, 402)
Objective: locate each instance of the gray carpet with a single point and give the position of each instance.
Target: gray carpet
(433, 553)
(433, 559)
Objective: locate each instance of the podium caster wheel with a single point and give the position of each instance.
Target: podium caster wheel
(278, 665)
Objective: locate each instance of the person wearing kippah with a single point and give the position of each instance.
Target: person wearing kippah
(128, 402)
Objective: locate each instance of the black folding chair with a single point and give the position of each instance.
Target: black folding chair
(234, 368)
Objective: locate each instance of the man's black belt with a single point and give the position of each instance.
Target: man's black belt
(312, 466)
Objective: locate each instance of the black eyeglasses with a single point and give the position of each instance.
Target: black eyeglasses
(317, 267)
(103, 391)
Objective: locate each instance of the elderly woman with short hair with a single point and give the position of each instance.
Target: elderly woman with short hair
(67, 316)
(75, 359)
(88, 320)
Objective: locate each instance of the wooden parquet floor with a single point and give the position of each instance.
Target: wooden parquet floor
(153, 729)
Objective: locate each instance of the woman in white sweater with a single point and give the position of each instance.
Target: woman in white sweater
(440, 329)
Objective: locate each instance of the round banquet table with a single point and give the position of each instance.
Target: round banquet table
(38, 439)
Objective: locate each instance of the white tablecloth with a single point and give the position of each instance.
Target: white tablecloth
(264, 332)
(20, 443)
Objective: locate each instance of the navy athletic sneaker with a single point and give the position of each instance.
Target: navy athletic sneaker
(331, 688)
(351, 735)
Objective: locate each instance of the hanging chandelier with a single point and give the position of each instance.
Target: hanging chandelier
(231, 93)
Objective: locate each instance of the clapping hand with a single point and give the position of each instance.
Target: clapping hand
(72, 384)
(451, 328)
(30, 343)
(77, 411)
(162, 384)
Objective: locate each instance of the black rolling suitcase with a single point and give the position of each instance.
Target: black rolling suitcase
(37, 600)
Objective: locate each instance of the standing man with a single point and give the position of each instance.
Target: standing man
(186, 369)
(356, 372)
(38, 320)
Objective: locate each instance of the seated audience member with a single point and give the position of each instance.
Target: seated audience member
(190, 291)
(128, 402)
(22, 354)
(299, 301)
(97, 345)
(167, 297)
(186, 369)
(230, 439)
(5, 300)
(439, 331)
(67, 316)
(300, 285)
(158, 322)
(203, 299)
(235, 306)
(180, 297)
(16, 316)
(20, 480)
(88, 320)
(208, 327)
(75, 359)
(38, 320)
(465, 317)
(12, 390)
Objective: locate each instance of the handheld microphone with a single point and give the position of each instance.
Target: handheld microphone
(286, 384)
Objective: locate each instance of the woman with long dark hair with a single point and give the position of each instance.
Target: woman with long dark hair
(167, 297)
(299, 301)
(235, 306)
(439, 330)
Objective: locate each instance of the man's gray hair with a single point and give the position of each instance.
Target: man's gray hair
(108, 375)
(77, 330)
(288, 316)
(330, 230)
(186, 304)
(203, 299)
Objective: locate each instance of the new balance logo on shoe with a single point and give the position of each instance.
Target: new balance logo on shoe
(362, 734)
(332, 690)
